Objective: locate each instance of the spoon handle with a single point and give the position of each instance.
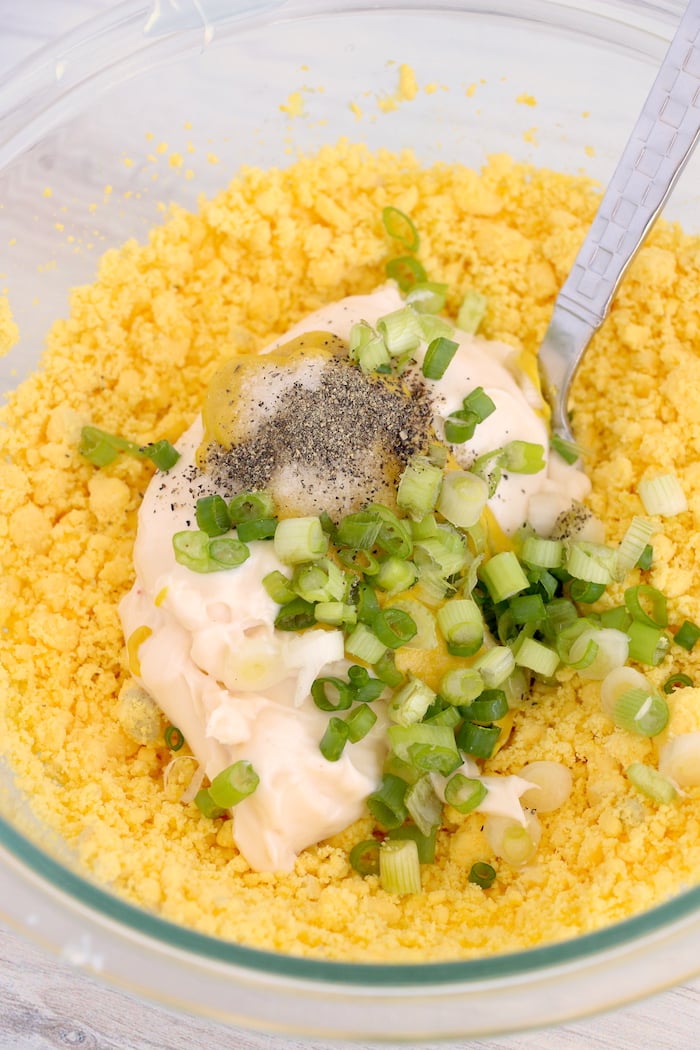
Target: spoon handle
(660, 144)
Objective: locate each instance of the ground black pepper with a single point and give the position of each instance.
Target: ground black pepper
(344, 442)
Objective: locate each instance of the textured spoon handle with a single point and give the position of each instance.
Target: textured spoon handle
(659, 146)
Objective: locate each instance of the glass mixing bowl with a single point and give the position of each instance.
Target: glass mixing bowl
(74, 126)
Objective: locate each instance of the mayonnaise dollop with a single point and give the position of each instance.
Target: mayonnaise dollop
(238, 688)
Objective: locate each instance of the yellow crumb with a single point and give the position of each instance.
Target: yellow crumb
(48, 192)
(175, 160)
(530, 136)
(526, 100)
(134, 356)
(406, 90)
(357, 110)
(589, 151)
(294, 105)
(9, 332)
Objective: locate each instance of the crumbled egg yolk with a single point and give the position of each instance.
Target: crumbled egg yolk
(139, 346)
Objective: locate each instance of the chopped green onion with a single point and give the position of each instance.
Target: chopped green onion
(400, 331)
(527, 608)
(459, 427)
(607, 648)
(359, 560)
(552, 785)
(173, 738)
(523, 457)
(424, 806)
(426, 635)
(368, 348)
(462, 626)
(101, 449)
(298, 540)
(479, 402)
(364, 857)
(406, 271)
(536, 657)
(657, 617)
(424, 843)
(482, 874)
(561, 613)
(508, 839)
(394, 627)
(462, 498)
(438, 356)
(646, 558)
(260, 529)
(335, 613)
(461, 685)
(364, 688)
(233, 784)
(401, 227)
(648, 645)
(386, 804)
(367, 602)
(687, 635)
(503, 576)
(478, 741)
(360, 722)
(363, 644)
(227, 552)
(592, 562)
(491, 705)
(251, 506)
(584, 592)
(447, 551)
(191, 549)
(395, 575)
(320, 581)
(359, 530)
(212, 517)
(542, 553)
(677, 681)
(410, 702)
(663, 495)
(399, 867)
(471, 312)
(332, 694)
(617, 617)
(633, 545)
(207, 806)
(296, 615)
(651, 783)
(428, 297)
(404, 738)
(386, 670)
(334, 739)
(464, 793)
(641, 711)
(495, 665)
(278, 587)
(568, 450)
(419, 488)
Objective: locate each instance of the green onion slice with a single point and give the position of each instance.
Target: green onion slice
(173, 738)
(438, 356)
(406, 271)
(394, 627)
(677, 681)
(399, 867)
(401, 227)
(687, 635)
(360, 722)
(386, 804)
(332, 694)
(102, 448)
(334, 739)
(464, 793)
(651, 783)
(471, 312)
(251, 506)
(212, 517)
(641, 711)
(477, 741)
(364, 857)
(482, 874)
(657, 616)
(227, 553)
(233, 784)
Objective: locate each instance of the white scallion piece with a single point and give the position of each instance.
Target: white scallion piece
(619, 681)
(679, 760)
(632, 545)
(663, 495)
(509, 839)
(612, 650)
(553, 783)
(399, 866)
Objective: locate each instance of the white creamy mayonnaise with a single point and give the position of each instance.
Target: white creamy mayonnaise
(239, 689)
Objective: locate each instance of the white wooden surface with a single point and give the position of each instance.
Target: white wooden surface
(46, 1005)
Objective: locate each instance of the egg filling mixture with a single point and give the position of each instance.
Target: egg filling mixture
(382, 687)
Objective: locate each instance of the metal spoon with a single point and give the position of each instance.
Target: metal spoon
(659, 147)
